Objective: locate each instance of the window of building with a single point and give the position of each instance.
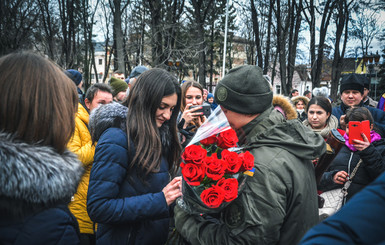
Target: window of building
(100, 61)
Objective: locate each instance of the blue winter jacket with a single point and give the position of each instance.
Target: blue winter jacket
(360, 221)
(127, 210)
(378, 116)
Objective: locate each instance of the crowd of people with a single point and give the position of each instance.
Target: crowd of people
(102, 167)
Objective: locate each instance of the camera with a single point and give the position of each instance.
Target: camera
(206, 109)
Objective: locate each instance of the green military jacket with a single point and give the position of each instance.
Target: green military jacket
(279, 203)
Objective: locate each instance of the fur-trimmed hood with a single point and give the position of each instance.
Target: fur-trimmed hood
(35, 176)
(304, 99)
(284, 105)
(114, 115)
(107, 116)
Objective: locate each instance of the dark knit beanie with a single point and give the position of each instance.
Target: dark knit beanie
(352, 81)
(244, 90)
(74, 75)
(117, 86)
(366, 83)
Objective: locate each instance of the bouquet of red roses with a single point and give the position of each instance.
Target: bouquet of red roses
(213, 169)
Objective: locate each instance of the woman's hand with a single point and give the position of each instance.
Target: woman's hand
(361, 145)
(190, 114)
(173, 190)
(340, 177)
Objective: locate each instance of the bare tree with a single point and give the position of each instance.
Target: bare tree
(117, 8)
(341, 19)
(106, 18)
(200, 10)
(17, 23)
(365, 25)
(50, 27)
(288, 23)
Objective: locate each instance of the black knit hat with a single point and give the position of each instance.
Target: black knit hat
(353, 81)
(244, 90)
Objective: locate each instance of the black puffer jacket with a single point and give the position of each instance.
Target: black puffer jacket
(36, 185)
(373, 164)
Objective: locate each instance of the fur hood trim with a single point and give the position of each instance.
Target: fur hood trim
(284, 105)
(114, 115)
(107, 116)
(36, 174)
(298, 98)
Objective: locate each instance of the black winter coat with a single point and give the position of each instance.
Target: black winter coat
(373, 164)
(36, 185)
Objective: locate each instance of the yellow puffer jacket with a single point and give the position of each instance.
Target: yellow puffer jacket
(81, 145)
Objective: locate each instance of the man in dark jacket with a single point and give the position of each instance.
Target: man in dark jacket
(352, 91)
(279, 203)
(366, 99)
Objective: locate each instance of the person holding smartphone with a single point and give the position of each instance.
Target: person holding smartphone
(190, 117)
(371, 151)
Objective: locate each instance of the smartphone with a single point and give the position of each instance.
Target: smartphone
(356, 128)
(206, 109)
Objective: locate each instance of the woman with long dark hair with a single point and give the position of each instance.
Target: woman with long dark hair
(137, 154)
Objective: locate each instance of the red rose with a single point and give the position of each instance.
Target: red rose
(247, 161)
(230, 186)
(209, 141)
(215, 168)
(227, 139)
(193, 174)
(233, 161)
(194, 154)
(213, 197)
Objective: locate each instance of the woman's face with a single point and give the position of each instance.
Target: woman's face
(300, 105)
(210, 100)
(166, 107)
(194, 96)
(317, 116)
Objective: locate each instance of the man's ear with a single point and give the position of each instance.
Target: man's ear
(87, 103)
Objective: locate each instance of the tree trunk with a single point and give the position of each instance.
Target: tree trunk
(254, 17)
(156, 37)
(118, 36)
(295, 25)
(342, 21)
(327, 13)
(269, 24)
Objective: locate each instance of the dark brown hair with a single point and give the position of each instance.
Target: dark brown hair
(358, 114)
(143, 101)
(322, 102)
(38, 101)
